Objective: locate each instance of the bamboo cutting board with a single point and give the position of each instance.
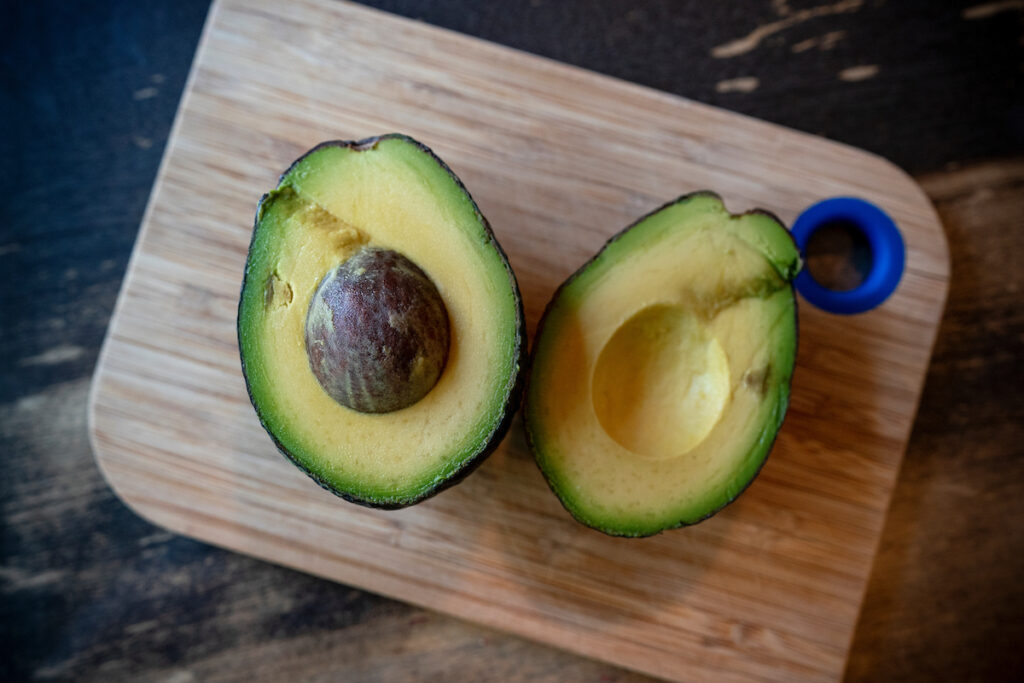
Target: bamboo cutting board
(558, 159)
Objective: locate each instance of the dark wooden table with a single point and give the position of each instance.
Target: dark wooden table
(89, 591)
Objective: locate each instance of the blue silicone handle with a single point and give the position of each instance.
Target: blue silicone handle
(887, 252)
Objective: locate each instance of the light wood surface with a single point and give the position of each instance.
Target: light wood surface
(558, 160)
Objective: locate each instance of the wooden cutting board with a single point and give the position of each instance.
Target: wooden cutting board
(558, 159)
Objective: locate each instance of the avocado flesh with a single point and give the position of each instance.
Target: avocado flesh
(393, 193)
(662, 367)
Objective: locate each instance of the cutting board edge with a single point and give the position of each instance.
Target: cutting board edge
(905, 441)
(98, 374)
(559, 636)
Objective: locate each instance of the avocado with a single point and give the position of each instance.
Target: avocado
(380, 327)
(661, 368)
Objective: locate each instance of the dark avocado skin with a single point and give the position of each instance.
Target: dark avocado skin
(540, 329)
(514, 391)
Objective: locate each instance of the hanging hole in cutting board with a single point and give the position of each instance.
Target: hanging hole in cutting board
(839, 256)
(853, 252)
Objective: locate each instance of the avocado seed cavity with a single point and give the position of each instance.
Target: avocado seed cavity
(377, 333)
(661, 382)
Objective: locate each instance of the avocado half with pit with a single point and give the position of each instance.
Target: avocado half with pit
(380, 326)
(661, 370)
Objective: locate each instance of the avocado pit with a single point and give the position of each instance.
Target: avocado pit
(377, 332)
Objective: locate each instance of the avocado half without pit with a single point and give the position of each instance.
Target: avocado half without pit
(380, 326)
(661, 368)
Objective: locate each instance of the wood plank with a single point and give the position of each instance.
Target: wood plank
(558, 159)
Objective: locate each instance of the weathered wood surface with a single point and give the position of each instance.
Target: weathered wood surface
(558, 159)
(92, 592)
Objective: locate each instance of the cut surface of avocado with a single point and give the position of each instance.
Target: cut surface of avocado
(661, 369)
(371, 264)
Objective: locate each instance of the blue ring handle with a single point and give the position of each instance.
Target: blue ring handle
(887, 251)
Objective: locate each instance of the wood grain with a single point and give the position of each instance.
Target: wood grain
(558, 159)
(945, 599)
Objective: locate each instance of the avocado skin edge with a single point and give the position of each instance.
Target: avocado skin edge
(515, 391)
(540, 329)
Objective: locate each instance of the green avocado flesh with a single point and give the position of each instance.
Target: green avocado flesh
(380, 326)
(661, 370)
